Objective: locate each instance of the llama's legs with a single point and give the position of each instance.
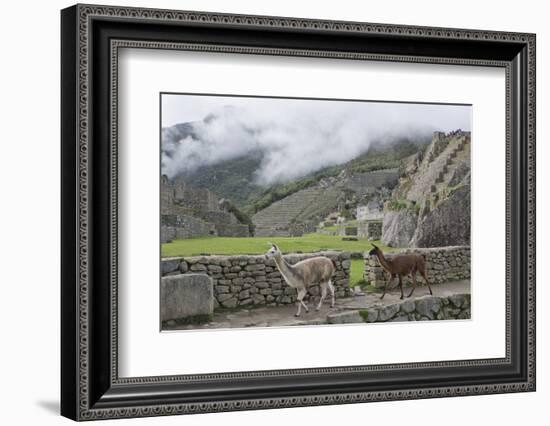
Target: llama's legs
(331, 289)
(390, 280)
(300, 302)
(413, 276)
(323, 295)
(401, 286)
(425, 276)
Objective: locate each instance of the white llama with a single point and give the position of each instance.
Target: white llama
(305, 274)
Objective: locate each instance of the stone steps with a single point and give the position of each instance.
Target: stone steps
(452, 156)
(461, 150)
(438, 169)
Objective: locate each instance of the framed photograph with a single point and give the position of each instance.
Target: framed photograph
(263, 212)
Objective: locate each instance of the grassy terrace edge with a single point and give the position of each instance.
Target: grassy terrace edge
(308, 243)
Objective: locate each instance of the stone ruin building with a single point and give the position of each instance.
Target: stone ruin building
(187, 212)
(370, 211)
(369, 220)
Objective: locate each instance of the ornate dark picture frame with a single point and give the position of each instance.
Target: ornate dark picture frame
(90, 385)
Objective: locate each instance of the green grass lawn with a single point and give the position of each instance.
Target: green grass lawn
(257, 245)
(356, 272)
(348, 224)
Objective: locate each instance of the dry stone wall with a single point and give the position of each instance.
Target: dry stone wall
(344, 230)
(443, 264)
(241, 281)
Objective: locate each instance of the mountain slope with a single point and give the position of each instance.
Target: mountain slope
(235, 179)
(232, 179)
(301, 211)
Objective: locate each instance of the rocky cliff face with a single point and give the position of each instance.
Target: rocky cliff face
(448, 224)
(431, 205)
(398, 227)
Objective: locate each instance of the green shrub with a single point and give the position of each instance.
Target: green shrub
(397, 204)
(364, 314)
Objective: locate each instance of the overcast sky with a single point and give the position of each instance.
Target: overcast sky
(183, 108)
(297, 136)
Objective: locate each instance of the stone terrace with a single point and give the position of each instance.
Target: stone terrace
(276, 219)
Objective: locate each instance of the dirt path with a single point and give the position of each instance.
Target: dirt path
(284, 315)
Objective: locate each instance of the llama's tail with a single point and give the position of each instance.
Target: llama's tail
(423, 263)
(335, 265)
(420, 260)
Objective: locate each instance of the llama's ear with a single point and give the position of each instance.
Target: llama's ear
(372, 244)
(275, 246)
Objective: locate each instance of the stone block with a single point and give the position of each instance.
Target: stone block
(186, 296)
(387, 312)
(428, 306)
(169, 265)
(408, 306)
(255, 267)
(370, 315)
(258, 299)
(290, 290)
(198, 267)
(230, 303)
(348, 317)
(215, 268)
(222, 297)
(400, 318)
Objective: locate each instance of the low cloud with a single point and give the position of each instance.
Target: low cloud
(297, 137)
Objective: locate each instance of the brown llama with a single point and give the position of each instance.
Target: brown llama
(402, 264)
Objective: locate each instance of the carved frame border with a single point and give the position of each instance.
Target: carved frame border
(85, 13)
